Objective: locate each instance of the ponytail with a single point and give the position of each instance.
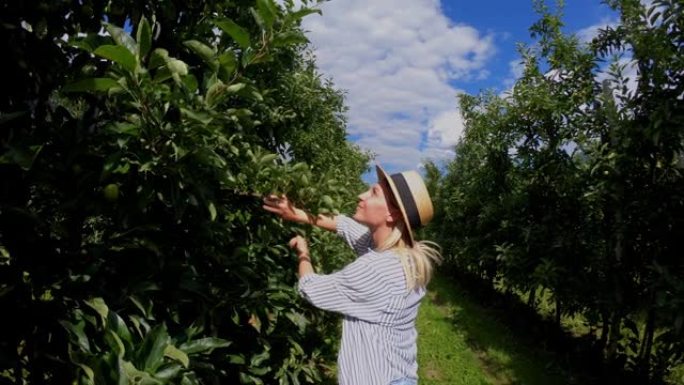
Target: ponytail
(418, 261)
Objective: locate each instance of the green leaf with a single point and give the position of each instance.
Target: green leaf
(177, 354)
(168, 372)
(177, 67)
(118, 326)
(259, 20)
(162, 74)
(24, 157)
(259, 371)
(117, 54)
(122, 38)
(152, 349)
(289, 38)
(212, 211)
(124, 128)
(268, 11)
(198, 116)
(297, 319)
(258, 359)
(93, 84)
(233, 88)
(145, 310)
(295, 16)
(204, 345)
(237, 359)
(129, 374)
(89, 372)
(115, 343)
(189, 379)
(268, 158)
(218, 91)
(6, 117)
(90, 42)
(247, 57)
(77, 333)
(99, 305)
(190, 82)
(158, 58)
(235, 31)
(228, 63)
(202, 50)
(144, 37)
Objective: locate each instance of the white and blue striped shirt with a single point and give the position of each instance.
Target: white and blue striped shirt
(378, 329)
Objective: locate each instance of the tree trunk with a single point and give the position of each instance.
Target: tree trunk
(647, 344)
(605, 327)
(532, 298)
(614, 336)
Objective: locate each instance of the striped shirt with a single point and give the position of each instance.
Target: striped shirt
(378, 328)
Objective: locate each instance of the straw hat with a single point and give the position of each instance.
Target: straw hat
(412, 197)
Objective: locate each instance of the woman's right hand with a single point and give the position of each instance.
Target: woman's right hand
(282, 207)
(300, 246)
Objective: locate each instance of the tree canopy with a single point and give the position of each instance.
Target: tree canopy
(136, 141)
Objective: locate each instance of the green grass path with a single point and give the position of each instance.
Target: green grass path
(462, 343)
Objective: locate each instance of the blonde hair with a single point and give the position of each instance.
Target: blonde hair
(418, 261)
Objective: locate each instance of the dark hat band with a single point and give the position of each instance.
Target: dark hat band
(407, 200)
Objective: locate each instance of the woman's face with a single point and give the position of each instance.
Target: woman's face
(373, 209)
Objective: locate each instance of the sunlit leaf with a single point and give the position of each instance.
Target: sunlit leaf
(235, 31)
(100, 307)
(268, 11)
(144, 37)
(204, 345)
(122, 38)
(117, 54)
(93, 84)
(177, 354)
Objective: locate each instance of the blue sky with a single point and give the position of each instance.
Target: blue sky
(402, 64)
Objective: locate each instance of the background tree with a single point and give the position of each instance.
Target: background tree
(571, 184)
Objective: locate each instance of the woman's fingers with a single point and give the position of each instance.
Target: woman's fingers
(273, 204)
(277, 201)
(272, 209)
(297, 242)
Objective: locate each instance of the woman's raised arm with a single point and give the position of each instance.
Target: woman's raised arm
(282, 207)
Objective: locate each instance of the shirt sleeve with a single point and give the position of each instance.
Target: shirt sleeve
(355, 234)
(357, 291)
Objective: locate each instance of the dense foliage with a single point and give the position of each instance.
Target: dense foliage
(572, 184)
(132, 241)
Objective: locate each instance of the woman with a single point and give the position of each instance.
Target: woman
(379, 292)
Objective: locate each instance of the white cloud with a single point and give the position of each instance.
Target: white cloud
(587, 34)
(516, 68)
(446, 129)
(397, 61)
(630, 75)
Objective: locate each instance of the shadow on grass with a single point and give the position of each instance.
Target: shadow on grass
(515, 345)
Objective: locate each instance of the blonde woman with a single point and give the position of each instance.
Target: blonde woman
(379, 292)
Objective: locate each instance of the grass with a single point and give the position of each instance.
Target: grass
(463, 343)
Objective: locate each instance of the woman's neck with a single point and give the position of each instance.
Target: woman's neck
(380, 235)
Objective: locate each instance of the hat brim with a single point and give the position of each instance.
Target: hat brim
(382, 175)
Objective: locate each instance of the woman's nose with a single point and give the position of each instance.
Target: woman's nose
(363, 196)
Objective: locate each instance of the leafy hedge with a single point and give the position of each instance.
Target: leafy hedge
(134, 247)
